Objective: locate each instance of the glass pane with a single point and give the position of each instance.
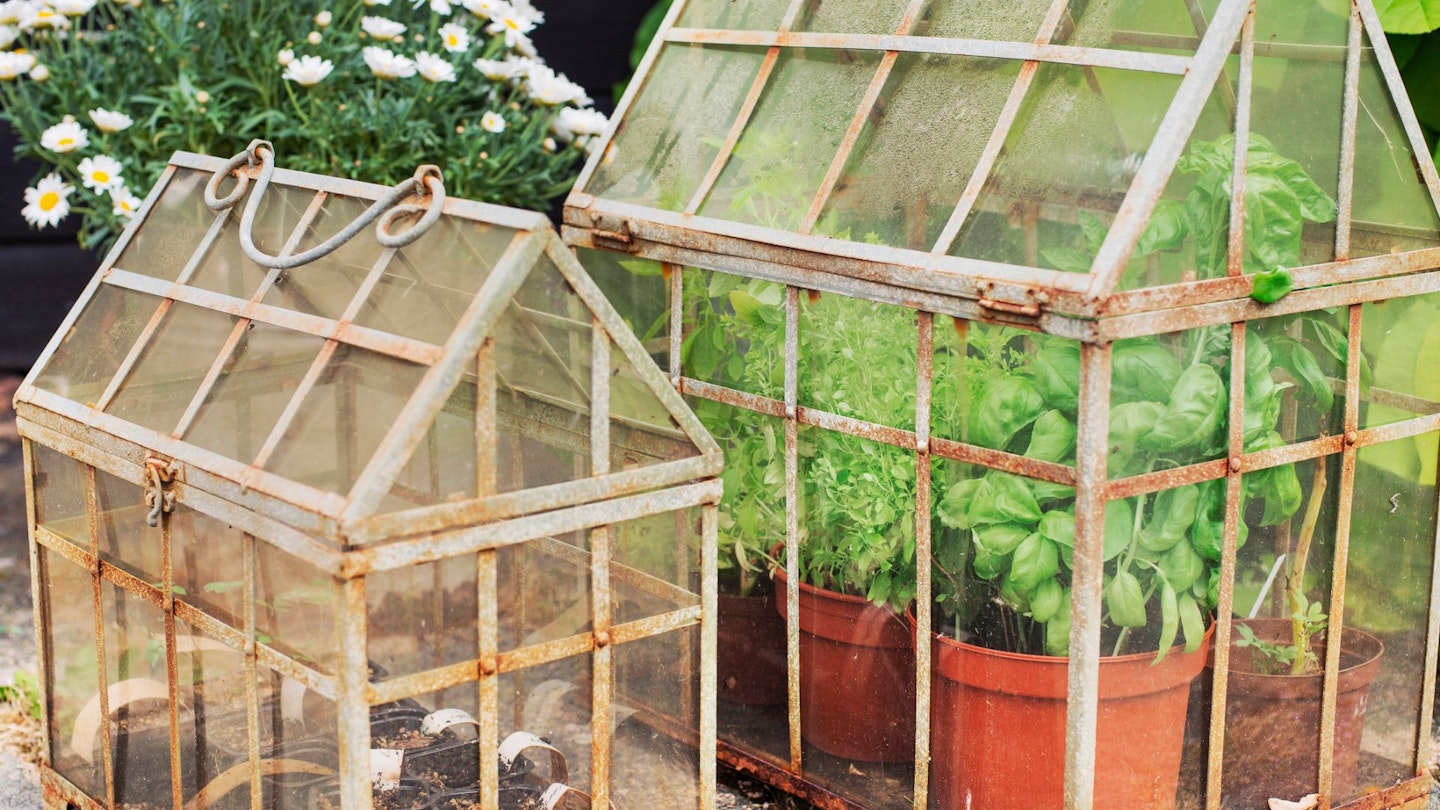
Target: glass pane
(443, 466)
(1135, 24)
(735, 332)
(325, 286)
(1076, 145)
(552, 701)
(657, 686)
(857, 664)
(71, 667)
(980, 19)
(60, 495)
(126, 540)
(673, 131)
(852, 16)
(342, 422)
(171, 367)
(164, 242)
(642, 431)
(212, 678)
(295, 724)
(919, 147)
(225, 268)
(296, 608)
(1393, 209)
(780, 160)
(429, 285)
(204, 554)
(139, 703)
(91, 352)
(1169, 401)
(762, 15)
(1188, 235)
(1392, 530)
(656, 565)
(1294, 378)
(422, 617)
(1301, 22)
(1398, 345)
(1272, 733)
(639, 289)
(544, 590)
(1005, 389)
(254, 386)
(841, 340)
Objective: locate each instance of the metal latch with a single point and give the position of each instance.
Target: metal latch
(613, 233)
(158, 495)
(1032, 303)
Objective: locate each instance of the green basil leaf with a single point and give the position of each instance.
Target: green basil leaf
(1272, 285)
(1172, 517)
(1094, 230)
(958, 508)
(1327, 337)
(1001, 538)
(1142, 371)
(1181, 566)
(1045, 601)
(1011, 500)
(1125, 600)
(1169, 621)
(1005, 408)
(1273, 222)
(1166, 229)
(1130, 422)
(1207, 217)
(1195, 415)
(1297, 359)
(1052, 438)
(1057, 630)
(1058, 527)
(1119, 526)
(1071, 260)
(1035, 559)
(1280, 487)
(1192, 622)
(1057, 374)
(989, 565)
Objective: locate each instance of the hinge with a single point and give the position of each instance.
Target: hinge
(158, 495)
(613, 233)
(1028, 308)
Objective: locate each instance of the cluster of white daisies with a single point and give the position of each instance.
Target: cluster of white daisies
(513, 19)
(48, 202)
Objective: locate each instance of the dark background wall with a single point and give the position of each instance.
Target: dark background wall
(42, 272)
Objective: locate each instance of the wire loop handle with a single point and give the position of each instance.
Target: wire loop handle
(427, 182)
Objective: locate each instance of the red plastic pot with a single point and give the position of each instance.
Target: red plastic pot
(857, 676)
(1272, 722)
(997, 738)
(750, 659)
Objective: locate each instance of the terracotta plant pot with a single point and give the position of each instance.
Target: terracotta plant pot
(1272, 722)
(997, 737)
(857, 676)
(750, 659)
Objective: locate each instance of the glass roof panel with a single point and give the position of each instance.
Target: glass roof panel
(935, 112)
(982, 19)
(852, 16)
(672, 133)
(93, 349)
(179, 220)
(1172, 26)
(171, 367)
(783, 155)
(1076, 145)
(747, 15)
(226, 269)
(326, 286)
(442, 469)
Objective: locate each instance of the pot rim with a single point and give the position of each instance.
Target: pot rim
(1346, 633)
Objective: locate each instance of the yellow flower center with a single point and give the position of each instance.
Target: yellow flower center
(66, 142)
(513, 23)
(453, 41)
(101, 176)
(49, 200)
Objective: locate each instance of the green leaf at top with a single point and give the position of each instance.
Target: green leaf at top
(1194, 416)
(1409, 16)
(1052, 438)
(1125, 600)
(1036, 559)
(1272, 285)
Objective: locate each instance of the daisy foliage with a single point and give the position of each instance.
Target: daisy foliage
(102, 92)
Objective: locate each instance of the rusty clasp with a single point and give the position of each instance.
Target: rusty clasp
(158, 496)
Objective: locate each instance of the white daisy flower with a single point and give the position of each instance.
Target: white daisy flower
(46, 203)
(552, 89)
(40, 73)
(72, 8)
(313, 37)
(101, 173)
(41, 16)
(514, 25)
(126, 204)
(487, 9)
(324, 18)
(386, 64)
(13, 64)
(110, 121)
(495, 70)
(8, 35)
(527, 10)
(381, 28)
(571, 123)
(454, 37)
(434, 68)
(526, 48)
(492, 122)
(12, 10)
(377, 2)
(285, 57)
(66, 136)
(441, 7)
(308, 71)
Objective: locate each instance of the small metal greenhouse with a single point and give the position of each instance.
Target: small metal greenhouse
(318, 507)
(1094, 342)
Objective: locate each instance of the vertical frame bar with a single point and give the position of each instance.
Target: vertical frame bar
(172, 670)
(675, 277)
(92, 517)
(487, 593)
(1335, 637)
(351, 706)
(38, 577)
(709, 631)
(1345, 195)
(792, 525)
(924, 599)
(1423, 740)
(1083, 701)
(252, 670)
(1235, 257)
(602, 540)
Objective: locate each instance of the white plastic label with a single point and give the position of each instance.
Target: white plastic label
(550, 799)
(511, 746)
(437, 721)
(385, 766)
(292, 700)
